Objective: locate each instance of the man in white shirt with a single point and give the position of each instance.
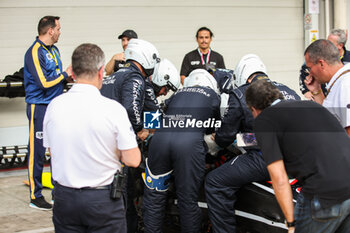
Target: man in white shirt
(88, 136)
(324, 65)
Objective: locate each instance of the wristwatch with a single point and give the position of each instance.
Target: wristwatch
(290, 224)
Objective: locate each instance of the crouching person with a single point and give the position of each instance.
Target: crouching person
(304, 140)
(88, 136)
(223, 183)
(178, 149)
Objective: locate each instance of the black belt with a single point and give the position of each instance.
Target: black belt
(105, 187)
(99, 187)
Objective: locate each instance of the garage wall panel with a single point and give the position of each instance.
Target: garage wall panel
(273, 29)
(157, 3)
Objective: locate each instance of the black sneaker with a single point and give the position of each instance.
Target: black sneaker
(40, 203)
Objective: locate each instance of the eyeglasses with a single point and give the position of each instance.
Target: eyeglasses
(308, 68)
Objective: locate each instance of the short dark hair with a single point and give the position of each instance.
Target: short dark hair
(261, 94)
(87, 59)
(204, 29)
(47, 22)
(323, 49)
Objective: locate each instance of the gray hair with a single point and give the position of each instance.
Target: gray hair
(87, 60)
(323, 50)
(341, 34)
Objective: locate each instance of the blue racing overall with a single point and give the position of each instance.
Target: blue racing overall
(178, 150)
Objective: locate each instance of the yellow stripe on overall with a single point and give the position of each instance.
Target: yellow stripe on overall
(31, 152)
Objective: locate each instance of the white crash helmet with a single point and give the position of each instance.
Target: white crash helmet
(201, 77)
(144, 53)
(248, 65)
(165, 74)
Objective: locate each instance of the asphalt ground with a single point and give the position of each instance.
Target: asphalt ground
(15, 213)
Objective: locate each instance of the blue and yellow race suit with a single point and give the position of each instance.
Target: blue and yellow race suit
(43, 81)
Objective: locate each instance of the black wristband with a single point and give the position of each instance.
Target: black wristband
(290, 224)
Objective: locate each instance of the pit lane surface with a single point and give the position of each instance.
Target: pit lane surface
(15, 213)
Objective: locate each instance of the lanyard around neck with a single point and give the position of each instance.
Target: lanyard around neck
(329, 89)
(202, 57)
(52, 55)
(341, 57)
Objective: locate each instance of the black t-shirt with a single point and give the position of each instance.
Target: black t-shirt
(312, 144)
(238, 117)
(192, 61)
(118, 64)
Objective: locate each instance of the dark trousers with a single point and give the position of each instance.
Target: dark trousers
(36, 150)
(185, 155)
(132, 218)
(87, 210)
(325, 220)
(222, 184)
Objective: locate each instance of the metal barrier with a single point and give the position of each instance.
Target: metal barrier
(16, 156)
(21, 84)
(11, 84)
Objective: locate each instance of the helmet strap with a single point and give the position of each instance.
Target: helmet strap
(171, 86)
(156, 88)
(148, 72)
